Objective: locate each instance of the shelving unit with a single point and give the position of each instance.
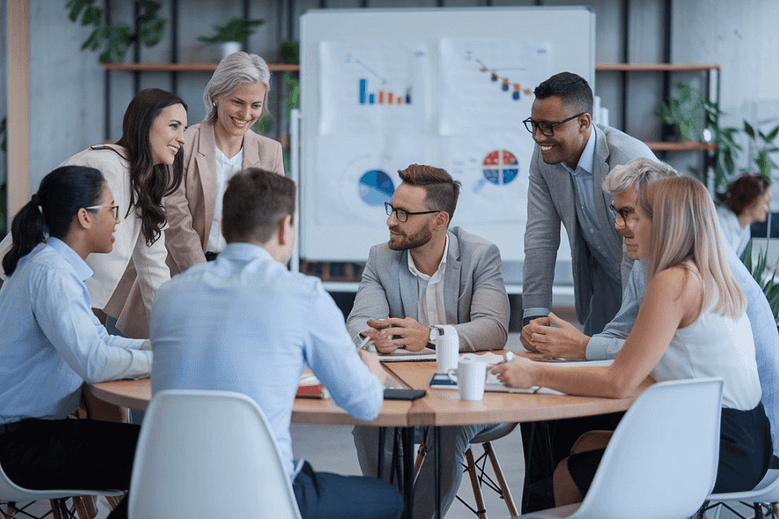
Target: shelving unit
(711, 91)
(186, 67)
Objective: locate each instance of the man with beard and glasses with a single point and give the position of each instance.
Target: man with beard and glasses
(429, 275)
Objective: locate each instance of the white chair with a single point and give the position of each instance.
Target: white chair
(767, 491)
(208, 454)
(14, 495)
(661, 462)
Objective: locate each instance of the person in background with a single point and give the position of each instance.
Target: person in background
(141, 168)
(52, 343)
(747, 200)
(428, 274)
(692, 324)
(245, 323)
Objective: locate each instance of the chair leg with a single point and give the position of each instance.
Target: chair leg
(10, 510)
(421, 453)
(504, 488)
(86, 507)
(59, 508)
(113, 501)
(481, 511)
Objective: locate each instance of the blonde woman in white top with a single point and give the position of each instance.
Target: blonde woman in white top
(691, 324)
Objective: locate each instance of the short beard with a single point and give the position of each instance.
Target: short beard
(418, 239)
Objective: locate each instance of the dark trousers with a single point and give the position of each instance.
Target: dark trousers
(77, 454)
(321, 495)
(546, 444)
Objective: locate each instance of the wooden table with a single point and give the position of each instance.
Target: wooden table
(440, 407)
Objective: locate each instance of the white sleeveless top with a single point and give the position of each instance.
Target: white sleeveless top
(715, 346)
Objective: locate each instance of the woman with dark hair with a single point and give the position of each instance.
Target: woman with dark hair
(746, 201)
(52, 343)
(141, 168)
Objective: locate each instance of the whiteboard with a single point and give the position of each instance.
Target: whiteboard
(448, 87)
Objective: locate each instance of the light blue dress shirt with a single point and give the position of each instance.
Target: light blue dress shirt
(51, 342)
(606, 345)
(245, 323)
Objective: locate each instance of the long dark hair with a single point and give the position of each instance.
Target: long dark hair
(148, 183)
(50, 211)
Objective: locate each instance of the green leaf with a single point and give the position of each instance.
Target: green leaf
(749, 130)
(236, 29)
(92, 16)
(75, 7)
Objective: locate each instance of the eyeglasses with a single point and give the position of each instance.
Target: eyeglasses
(113, 208)
(546, 128)
(402, 214)
(625, 215)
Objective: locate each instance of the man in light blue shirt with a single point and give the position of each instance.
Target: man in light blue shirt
(565, 340)
(245, 323)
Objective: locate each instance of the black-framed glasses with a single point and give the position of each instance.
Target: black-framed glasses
(622, 214)
(544, 127)
(114, 209)
(402, 214)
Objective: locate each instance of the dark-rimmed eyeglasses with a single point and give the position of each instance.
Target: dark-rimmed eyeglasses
(114, 209)
(544, 127)
(401, 214)
(624, 215)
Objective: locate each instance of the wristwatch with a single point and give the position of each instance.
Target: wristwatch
(435, 331)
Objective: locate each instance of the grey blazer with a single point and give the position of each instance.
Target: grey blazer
(475, 297)
(551, 200)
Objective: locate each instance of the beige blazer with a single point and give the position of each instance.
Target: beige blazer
(190, 209)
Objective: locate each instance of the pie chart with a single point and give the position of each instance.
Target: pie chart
(376, 187)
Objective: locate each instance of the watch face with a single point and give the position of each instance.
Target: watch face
(435, 331)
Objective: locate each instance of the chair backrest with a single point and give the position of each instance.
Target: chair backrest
(208, 454)
(662, 460)
(10, 491)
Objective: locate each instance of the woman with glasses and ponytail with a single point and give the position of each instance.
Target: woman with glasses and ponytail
(52, 342)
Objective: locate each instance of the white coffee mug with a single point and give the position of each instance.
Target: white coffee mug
(447, 349)
(470, 376)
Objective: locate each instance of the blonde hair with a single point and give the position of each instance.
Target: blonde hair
(235, 70)
(685, 229)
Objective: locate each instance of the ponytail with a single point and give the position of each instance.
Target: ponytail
(51, 210)
(27, 231)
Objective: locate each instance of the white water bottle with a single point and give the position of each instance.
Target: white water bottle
(447, 348)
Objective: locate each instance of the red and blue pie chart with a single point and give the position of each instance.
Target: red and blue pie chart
(500, 167)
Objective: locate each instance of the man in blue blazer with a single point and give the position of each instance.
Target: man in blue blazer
(571, 158)
(429, 275)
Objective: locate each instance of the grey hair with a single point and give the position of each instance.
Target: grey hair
(636, 174)
(236, 69)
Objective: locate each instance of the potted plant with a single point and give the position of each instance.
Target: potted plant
(230, 36)
(685, 112)
(117, 38)
(768, 284)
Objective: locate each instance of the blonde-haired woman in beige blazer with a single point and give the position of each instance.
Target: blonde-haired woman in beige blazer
(214, 150)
